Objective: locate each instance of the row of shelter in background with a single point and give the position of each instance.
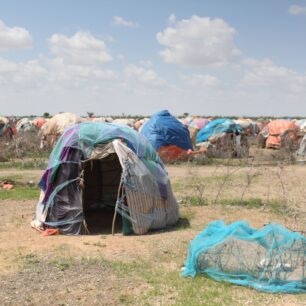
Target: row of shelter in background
(99, 170)
(179, 139)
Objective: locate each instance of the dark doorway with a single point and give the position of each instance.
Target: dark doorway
(101, 184)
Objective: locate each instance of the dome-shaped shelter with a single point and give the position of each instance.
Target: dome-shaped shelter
(55, 127)
(280, 134)
(223, 138)
(3, 122)
(168, 136)
(216, 127)
(100, 169)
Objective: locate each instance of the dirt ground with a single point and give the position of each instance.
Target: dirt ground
(121, 270)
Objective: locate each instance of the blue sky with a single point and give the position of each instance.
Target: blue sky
(137, 57)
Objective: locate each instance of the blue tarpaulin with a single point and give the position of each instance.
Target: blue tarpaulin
(216, 127)
(163, 129)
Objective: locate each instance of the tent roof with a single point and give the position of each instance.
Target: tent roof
(58, 123)
(86, 136)
(216, 127)
(163, 129)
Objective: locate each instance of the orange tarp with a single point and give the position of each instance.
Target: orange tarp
(39, 122)
(276, 129)
(172, 153)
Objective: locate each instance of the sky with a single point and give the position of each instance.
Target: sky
(217, 57)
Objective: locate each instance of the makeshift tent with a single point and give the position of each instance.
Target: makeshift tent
(249, 127)
(139, 124)
(25, 125)
(124, 121)
(301, 124)
(301, 152)
(168, 136)
(8, 128)
(216, 127)
(39, 122)
(54, 127)
(97, 169)
(280, 133)
(3, 122)
(223, 138)
(271, 259)
(195, 122)
(226, 145)
(100, 119)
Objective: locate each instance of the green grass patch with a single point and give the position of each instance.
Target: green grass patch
(26, 164)
(14, 177)
(20, 193)
(194, 201)
(247, 203)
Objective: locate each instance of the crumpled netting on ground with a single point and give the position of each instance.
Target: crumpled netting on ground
(271, 259)
(143, 172)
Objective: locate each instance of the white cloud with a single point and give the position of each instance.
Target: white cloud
(79, 63)
(146, 63)
(172, 19)
(120, 57)
(14, 38)
(76, 76)
(110, 39)
(267, 75)
(202, 80)
(144, 76)
(120, 22)
(78, 59)
(297, 10)
(80, 49)
(14, 75)
(198, 42)
(60, 71)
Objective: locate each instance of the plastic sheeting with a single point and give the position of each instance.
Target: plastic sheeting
(39, 122)
(216, 127)
(163, 130)
(301, 152)
(301, 124)
(144, 178)
(195, 122)
(271, 259)
(4, 120)
(276, 129)
(25, 125)
(58, 123)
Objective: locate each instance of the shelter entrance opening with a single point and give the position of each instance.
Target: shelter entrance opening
(101, 184)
